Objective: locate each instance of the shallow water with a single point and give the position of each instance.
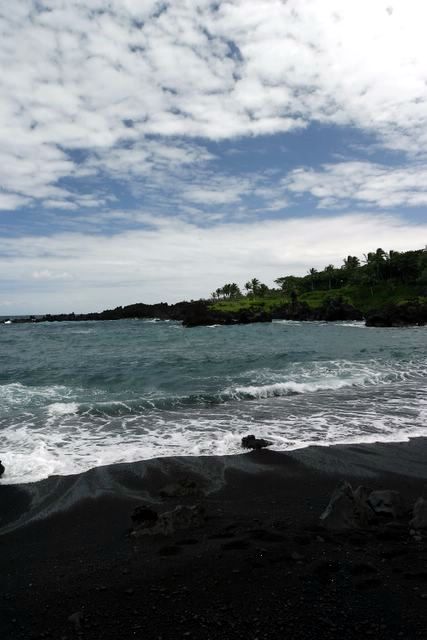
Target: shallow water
(75, 395)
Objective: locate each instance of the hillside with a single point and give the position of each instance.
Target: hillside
(383, 280)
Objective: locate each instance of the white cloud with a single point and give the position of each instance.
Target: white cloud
(364, 182)
(9, 201)
(102, 77)
(174, 260)
(46, 274)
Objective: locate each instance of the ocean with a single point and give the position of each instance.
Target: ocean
(76, 395)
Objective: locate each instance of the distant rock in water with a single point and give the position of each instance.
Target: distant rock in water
(250, 442)
(398, 315)
(2, 469)
(199, 314)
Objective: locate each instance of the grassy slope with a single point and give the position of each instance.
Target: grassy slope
(362, 297)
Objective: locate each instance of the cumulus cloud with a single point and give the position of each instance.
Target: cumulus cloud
(140, 85)
(363, 182)
(173, 259)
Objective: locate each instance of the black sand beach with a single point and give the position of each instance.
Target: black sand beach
(259, 566)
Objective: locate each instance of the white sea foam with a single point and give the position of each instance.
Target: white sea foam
(50, 430)
(32, 454)
(62, 408)
(81, 331)
(19, 395)
(355, 324)
(35, 453)
(286, 388)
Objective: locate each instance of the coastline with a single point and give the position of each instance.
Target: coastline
(258, 567)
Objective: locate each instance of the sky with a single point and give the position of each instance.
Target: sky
(154, 150)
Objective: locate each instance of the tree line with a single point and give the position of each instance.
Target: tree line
(376, 267)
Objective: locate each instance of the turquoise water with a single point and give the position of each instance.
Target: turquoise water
(77, 395)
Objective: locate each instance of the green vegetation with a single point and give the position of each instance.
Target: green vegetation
(381, 278)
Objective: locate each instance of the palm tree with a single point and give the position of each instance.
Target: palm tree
(351, 262)
(262, 290)
(255, 283)
(375, 262)
(313, 273)
(329, 270)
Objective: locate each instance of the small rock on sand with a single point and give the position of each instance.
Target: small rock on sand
(250, 442)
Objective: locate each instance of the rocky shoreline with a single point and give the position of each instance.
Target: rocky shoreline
(200, 313)
(245, 555)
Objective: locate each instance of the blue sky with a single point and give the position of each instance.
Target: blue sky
(155, 150)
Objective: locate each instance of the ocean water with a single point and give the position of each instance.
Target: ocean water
(75, 395)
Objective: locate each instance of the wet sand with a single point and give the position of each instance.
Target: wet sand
(260, 566)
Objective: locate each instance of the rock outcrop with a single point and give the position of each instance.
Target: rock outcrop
(347, 509)
(200, 314)
(250, 442)
(332, 310)
(398, 315)
(387, 503)
(357, 509)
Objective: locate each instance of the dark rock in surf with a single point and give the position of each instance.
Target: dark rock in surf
(199, 314)
(250, 442)
(2, 469)
(398, 315)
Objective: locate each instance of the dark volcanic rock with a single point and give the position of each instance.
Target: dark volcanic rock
(250, 442)
(293, 311)
(200, 314)
(336, 309)
(387, 503)
(347, 509)
(354, 509)
(333, 309)
(145, 516)
(398, 315)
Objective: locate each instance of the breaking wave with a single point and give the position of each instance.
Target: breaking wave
(124, 394)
